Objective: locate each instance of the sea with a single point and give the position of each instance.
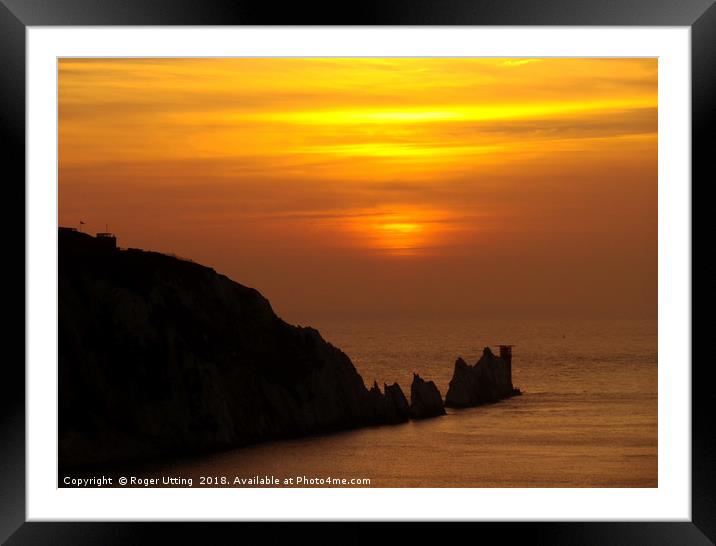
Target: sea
(587, 416)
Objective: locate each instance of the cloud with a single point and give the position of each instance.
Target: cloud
(519, 62)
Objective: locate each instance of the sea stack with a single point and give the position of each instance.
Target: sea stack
(397, 409)
(487, 381)
(389, 407)
(425, 399)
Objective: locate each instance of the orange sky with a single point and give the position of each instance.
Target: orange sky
(377, 186)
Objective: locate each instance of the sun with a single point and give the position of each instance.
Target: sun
(400, 236)
(396, 231)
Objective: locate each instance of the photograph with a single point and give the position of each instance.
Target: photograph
(341, 272)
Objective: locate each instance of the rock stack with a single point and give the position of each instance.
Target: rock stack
(397, 409)
(487, 381)
(425, 399)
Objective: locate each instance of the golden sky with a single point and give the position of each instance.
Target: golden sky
(377, 186)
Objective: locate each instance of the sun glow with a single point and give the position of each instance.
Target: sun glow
(401, 237)
(399, 231)
(489, 112)
(401, 227)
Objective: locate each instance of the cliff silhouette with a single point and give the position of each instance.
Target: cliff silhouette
(160, 356)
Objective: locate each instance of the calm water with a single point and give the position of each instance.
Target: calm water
(588, 416)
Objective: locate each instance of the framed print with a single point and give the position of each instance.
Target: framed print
(416, 264)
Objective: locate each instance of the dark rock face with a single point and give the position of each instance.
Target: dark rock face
(159, 355)
(425, 399)
(397, 409)
(388, 407)
(489, 380)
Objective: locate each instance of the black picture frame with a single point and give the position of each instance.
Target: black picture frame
(16, 15)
